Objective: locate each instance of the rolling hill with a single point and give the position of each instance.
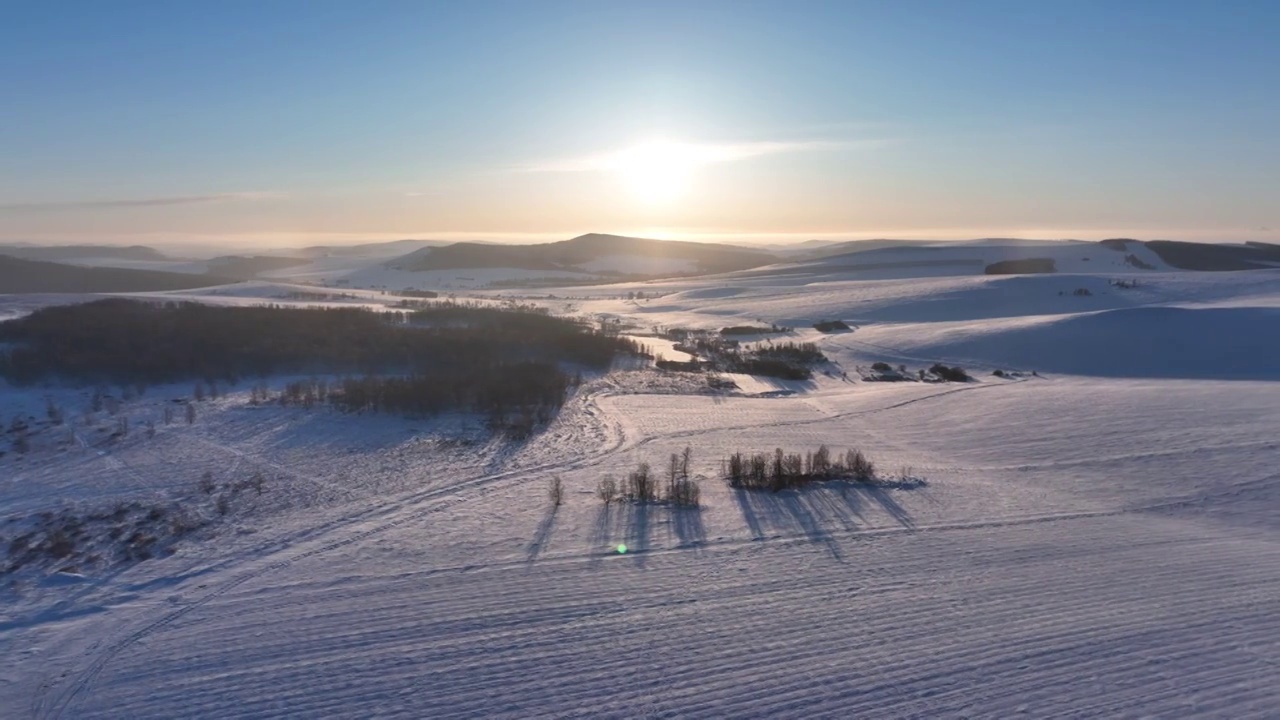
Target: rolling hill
(592, 253)
(34, 276)
(55, 253)
(1068, 255)
(391, 248)
(1215, 257)
(248, 267)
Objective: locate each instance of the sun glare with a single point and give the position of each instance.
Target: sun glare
(657, 173)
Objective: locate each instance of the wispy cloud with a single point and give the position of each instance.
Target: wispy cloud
(142, 202)
(693, 154)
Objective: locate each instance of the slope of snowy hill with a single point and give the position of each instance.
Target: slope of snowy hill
(1097, 539)
(38, 276)
(918, 259)
(74, 253)
(1171, 324)
(591, 258)
(597, 258)
(579, 253)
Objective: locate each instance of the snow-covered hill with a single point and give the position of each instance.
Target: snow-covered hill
(920, 259)
(1097, 539)
(597, 258)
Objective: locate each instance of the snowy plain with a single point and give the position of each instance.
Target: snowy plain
(1099, 538)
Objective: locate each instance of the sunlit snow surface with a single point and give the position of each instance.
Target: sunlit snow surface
(1099, 539)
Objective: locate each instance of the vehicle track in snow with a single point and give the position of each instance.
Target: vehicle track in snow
(384, 515)
(762, 631)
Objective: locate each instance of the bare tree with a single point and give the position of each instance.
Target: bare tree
(673, 475)
(821, 463)
(640, 485)
(607, 490)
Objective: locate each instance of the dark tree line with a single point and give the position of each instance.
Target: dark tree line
(126, 341)
(786, 360)
(781, 470)
(506, 362)
(516, 397)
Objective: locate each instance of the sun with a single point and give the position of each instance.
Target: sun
(658, 172)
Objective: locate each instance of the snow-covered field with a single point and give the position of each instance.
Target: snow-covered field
(1099, 538)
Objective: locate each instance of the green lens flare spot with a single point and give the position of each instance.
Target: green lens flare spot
(622, 548)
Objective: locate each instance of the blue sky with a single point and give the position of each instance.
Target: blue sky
(295, 121)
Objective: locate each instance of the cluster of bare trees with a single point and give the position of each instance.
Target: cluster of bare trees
(643, 485)
(781, 470)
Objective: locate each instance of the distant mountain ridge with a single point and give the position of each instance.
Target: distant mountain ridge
(244, 267)
(18, 275)
(1178, 255)
(389, 248)
(580, 252)
(54, 253)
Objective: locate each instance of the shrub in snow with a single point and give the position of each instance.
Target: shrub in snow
(828, 326)
(949, 374)
(677, 366)
(79, 540)
(59, 545)
(748, 330)
(53, 411)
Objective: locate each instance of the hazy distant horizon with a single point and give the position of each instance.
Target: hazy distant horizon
(291, 123)
(267, 241)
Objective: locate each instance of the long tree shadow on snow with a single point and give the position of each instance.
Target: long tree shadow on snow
(622, 525)
(688, 526)
(631, 525)
(600, 539)
(883, 497)
(542, 535)
(815, 512)
(638, 530)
